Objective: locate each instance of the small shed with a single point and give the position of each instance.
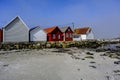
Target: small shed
(16, 31)
(37, 34)
(54, 34)
(83, 34)
(67, 33)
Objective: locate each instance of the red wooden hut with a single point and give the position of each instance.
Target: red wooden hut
(67, 33)
(54, 34)
(1, 35)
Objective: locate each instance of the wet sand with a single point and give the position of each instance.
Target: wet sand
(57, 64)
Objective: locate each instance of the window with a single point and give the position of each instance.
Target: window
(67, 35)
(70, 35)
(53, 36)
(76, 36)
(58, 36)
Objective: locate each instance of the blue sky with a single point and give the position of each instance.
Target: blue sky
(102, 15)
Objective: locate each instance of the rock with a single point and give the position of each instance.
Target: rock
(105, 54)
(108, 77)
(48, 45)
(93, 66)
(90, 57)
(70, 53)
(118, 53)
(116, 62)
(5, 65)
(92, 62)
(116, 71)
(113, 56)
(78, 69)
(100, 50)
(88, 53)
(117, 46)
(75, 57)
(82, 59)
(118, 74)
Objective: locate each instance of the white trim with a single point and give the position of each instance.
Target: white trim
(13, 20)
(88, 30)
(23, 22)
(37, 29)
(64, 36)
(10, 21)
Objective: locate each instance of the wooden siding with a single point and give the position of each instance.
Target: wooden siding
(68, 34)
(76, 37)
(57, 34)
(38, 35)
(83, 36)
(90, 35)
(16, 31)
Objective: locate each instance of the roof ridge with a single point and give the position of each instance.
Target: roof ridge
(83, 30)
(50, 29)
(15, 19)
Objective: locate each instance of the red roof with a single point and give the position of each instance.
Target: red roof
(49, 30)
(81, 30)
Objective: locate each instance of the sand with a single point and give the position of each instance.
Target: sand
(57, 64)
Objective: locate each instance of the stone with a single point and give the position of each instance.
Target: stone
(116, 62)
(88, 53)
(93, 66)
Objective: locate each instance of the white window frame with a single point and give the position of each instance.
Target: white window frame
(67, 35)
(53, 36)
(70, 35)
(59, 36)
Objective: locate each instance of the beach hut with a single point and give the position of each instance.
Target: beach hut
(67, 33)
(37, 34)
(1, 35)
(54, 34)
(16, 31)
(83, 34)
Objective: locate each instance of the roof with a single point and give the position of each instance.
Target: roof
(34, 28)
(81, 30)
(49, 30)
(63, 29)
(17, 17)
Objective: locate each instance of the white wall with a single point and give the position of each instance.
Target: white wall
(90, 35)
(77, 38)
(16, 31)
(38, 35)
(83, 36)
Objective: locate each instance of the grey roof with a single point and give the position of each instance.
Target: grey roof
(63, 29)
(17, 17)
(34, 28)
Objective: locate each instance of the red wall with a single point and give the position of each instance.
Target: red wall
(56, 32)
(69, 38)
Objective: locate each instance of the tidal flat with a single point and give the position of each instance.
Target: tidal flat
(59, 64)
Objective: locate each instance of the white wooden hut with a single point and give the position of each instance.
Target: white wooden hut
(16, 31)
(37, 34)
(83, 34)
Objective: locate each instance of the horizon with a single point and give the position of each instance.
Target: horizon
(102, 16)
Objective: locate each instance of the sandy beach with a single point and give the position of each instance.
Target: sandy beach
(58, 64)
